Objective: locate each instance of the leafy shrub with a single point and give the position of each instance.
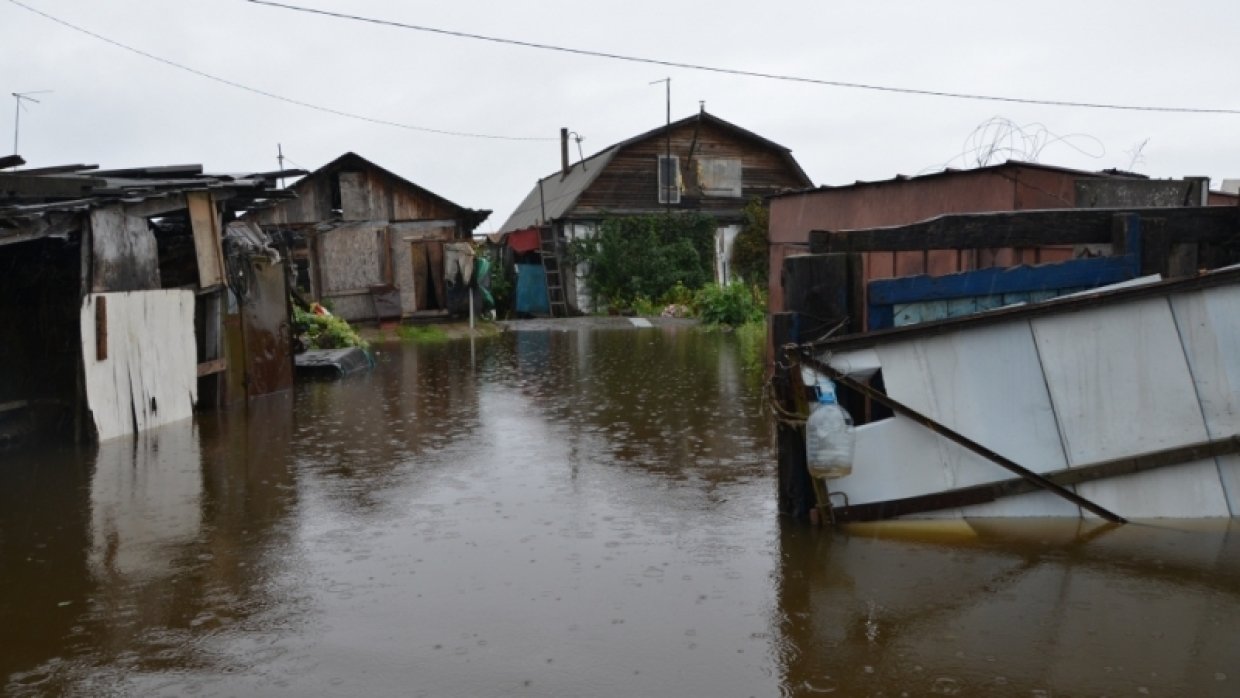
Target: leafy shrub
(646, 256)
(734, 304)
(750, 258)
(325, 331)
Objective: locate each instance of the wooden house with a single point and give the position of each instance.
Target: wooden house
(701, 163)
(371, 244)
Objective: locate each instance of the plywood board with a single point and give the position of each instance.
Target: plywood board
(124, 256)
(354, 205)
(349, 258)
(150, 374)
(1120, 385)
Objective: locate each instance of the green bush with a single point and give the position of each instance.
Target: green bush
(646, 257)
(735, 304)
(325, 331)
(750, 259)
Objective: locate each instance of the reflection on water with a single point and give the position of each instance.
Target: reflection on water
(563, 514)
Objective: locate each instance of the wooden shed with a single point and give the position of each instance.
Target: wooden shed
(1008, 186)
(371, 244)
(127, 301)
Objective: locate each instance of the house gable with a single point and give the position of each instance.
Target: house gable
(352, 188)
(720, 168)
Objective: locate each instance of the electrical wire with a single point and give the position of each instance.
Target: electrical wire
(746, 73)
(272, 95)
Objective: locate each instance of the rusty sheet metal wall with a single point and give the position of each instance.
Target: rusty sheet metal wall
(139, 360)
(267, 332)
(905, 201)
(124, 254)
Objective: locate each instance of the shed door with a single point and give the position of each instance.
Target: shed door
(428, 286)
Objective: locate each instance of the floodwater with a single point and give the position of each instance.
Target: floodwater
(561, 514)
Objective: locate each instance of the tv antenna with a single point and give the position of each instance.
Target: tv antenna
(17, 115)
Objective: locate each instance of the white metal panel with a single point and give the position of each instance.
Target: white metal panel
(1209, 327)
(987, 384)
(894, 458)
(1120, 386)
(150, 374)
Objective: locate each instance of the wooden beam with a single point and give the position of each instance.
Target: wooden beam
(27, 186)
(991, 491)
(212, 367)
(101, 328)
(1027, 229)
(1069, 304)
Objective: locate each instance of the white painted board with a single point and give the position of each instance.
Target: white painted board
(150, 374)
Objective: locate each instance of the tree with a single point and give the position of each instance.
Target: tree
(749, 251)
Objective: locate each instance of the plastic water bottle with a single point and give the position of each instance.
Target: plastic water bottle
(829, 436)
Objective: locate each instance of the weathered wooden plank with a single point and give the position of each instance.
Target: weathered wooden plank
(795, 492)
(26, 186)
(124, 253)
(205, 222)
(101, 328)
(1077, 273)
(1070, 304)
(1066, 477)
(212, 367)
(1027, 229)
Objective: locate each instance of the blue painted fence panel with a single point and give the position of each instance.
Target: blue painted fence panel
(914, 299)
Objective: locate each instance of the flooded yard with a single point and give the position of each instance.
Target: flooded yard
(551, 513)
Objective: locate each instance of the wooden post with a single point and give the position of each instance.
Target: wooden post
(820, 293)
(101, 328)
(795, 491)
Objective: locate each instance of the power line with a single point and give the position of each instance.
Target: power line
(746, 73)
(272, 95)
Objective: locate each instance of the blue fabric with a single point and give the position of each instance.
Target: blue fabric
(532, 290)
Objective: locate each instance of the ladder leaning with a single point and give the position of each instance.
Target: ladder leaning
(549, 248)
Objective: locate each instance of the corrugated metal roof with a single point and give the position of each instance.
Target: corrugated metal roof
(556, 194)
(949, 172)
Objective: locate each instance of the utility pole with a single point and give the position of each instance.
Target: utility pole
(669, 181)
(17, 114)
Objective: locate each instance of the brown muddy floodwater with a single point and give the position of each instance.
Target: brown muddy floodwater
(564, 514)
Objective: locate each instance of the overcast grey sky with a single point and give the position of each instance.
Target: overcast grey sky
(112, 107)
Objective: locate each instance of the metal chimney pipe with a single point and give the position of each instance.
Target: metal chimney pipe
(563, 152)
